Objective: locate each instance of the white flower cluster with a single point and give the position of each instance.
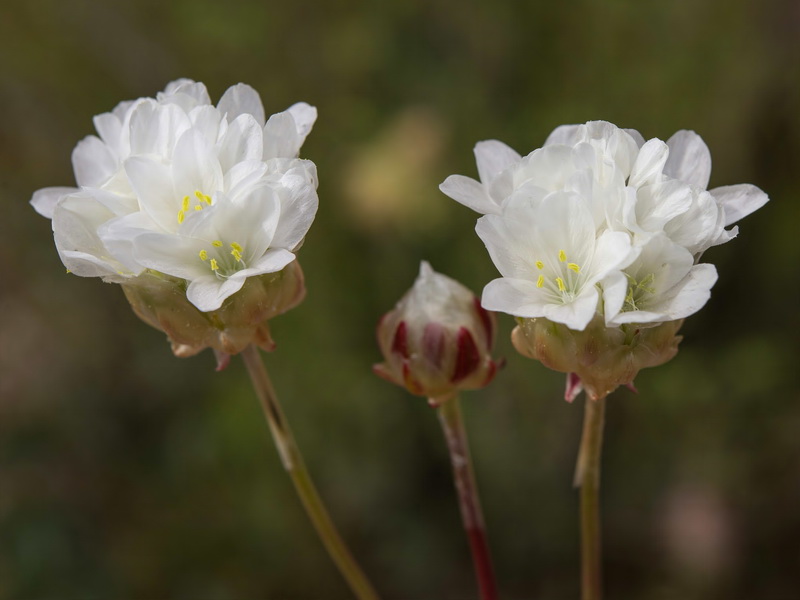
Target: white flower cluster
(175, 185)
(600, 221)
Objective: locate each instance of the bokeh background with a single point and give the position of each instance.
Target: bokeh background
(127, 473)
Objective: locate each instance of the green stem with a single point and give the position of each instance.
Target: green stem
(464, 479)
(587, 476)
(293, 463)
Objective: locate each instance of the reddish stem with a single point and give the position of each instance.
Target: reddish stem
(464, 479)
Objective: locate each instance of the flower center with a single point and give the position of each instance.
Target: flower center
(220, 263)
(562, 276)
(203, 200)
(638, 291)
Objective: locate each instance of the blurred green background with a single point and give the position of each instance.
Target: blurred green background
(127, 473)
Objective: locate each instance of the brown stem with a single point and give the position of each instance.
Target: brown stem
(464, 479)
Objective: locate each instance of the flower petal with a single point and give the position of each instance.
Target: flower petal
(649, 163)
(76, 219)
(93, 162)
(501, 242)
(298, 207)
(470, 193)
(155, 128)
(281, 139)
(195, 167)
(109, 127)
(689, 158)
(304, 116)
(521, 298)
(738, 201)
(615, 288)
(493, 157)
(176, 255)
(241, 99)
(682, 300)
(243, 141)
(44, 200)
(569, 135)
(152, 183)
(118, 234)
(208, 293)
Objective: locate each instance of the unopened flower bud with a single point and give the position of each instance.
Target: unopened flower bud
(243, 318)
(602, 358)
(438, 338)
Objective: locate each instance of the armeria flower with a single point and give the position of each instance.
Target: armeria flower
(649, 192)
(601, 226)
(550, 258)
(438, 339)
(175, 188)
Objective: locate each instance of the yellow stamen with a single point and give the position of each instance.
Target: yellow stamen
(68, 271)
(573, 267)
(539, 264)
(198, 207)
(185, 205)
(237, 251)
(214, 265)
(560, 284)
(203, 255)
(540, 281)
(562, 256)
(181, 216)
(203, 197)
(216, 244)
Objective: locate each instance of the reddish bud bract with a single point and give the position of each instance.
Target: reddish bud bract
(438, 339)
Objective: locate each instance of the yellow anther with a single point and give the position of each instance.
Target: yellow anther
(198, 207)
(203, 255)
(216, 244)
(539, 264)
(560, 284)
(185, 205)
(203, 197)
(237, 251)
(573, 267)
(68, 271)
(540, 281)
(214, 265)
(562, 256)
(181, 216)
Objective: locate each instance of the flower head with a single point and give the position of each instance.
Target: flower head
(177, 189)
(601, 226)
(438, 338)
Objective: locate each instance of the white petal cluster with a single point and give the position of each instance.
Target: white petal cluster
(599, 220)
(175, 185)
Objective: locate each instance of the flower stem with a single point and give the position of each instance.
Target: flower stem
(464, 478)
(293, 463)
(587, 476)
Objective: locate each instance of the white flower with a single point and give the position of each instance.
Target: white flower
(595, 213)
(662, 284)
(170, 179)
(550, 258)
